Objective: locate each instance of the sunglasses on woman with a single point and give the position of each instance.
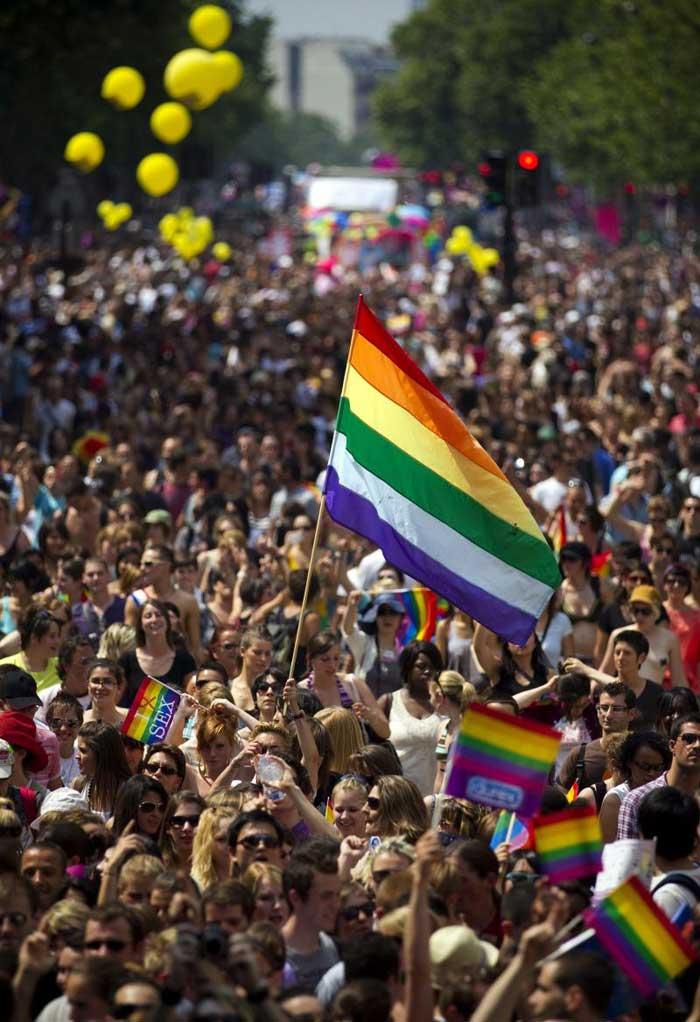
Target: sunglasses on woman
(373, 803)
(156, 768)
(180, 821)
(151, 807)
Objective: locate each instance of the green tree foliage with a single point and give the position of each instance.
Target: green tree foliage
(458, 89)
(618, 98)
(54, 55)
(608, 88)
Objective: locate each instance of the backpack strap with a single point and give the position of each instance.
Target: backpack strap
(680, 880)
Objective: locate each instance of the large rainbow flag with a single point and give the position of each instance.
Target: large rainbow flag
(569, 844)
(638, 936)
(406, 473)
(151, 712)
(500, 760)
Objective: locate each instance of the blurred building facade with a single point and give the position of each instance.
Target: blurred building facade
(330, 77)
(328, 55)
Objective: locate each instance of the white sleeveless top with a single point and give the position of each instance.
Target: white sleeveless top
(415, 741)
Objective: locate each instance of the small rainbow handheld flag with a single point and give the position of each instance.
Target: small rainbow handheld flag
(637, 934)
(424, 609)
(569, 844)
(519, 832)
(502, 761)
(150, 714)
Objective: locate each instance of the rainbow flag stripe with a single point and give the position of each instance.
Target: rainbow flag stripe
(151, 712)
(569, 844)
(637, 934)
(501, 761)
(519, 832)
(407, 474)
(424, 609)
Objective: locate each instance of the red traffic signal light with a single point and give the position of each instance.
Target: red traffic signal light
(528, 160)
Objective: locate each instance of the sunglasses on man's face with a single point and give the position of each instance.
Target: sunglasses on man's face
(113, 945)
(644, 610)
(252, 841)
(353, 912)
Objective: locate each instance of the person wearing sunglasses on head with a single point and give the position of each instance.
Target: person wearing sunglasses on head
(683, 773)
(664, 650)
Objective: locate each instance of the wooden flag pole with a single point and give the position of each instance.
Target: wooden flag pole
(307, 586)
(321, 509)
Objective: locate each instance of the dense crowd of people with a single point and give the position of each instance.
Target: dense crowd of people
(286, 851)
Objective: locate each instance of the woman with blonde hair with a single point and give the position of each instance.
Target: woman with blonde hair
(116, 641)
(345, 734)
(348, 799)
(395, 807)
(64, 923)
(210, 860)
(450, 696)
(264, 881)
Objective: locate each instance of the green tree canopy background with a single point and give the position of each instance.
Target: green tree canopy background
(608, 88)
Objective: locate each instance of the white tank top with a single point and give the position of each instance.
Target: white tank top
(415, 741)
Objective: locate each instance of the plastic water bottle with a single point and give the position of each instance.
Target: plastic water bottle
(269, 769)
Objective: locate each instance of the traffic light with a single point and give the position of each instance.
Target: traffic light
(528, 175)
(493, 170)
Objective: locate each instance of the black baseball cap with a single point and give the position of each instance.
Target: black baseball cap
(18, 688)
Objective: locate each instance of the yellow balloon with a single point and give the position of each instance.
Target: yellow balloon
(112, 221)
(85, 151)
(490, 256)
(157, 174)
(190, 76)
(123, 210)
(203, 229)
(184, 215)
(123, 87)
(171, 122)
(104, 208)
(222, 251)
(167, 226)
(462, 232)
(210, 26)
(228, 69)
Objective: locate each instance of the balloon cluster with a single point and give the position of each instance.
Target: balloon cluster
(461, 243)
(194, 78)
(188, 234)
(113, 214)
